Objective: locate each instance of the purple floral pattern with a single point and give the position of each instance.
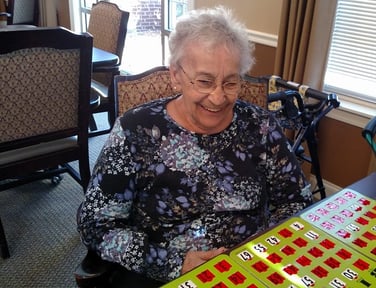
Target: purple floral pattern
(158, 190)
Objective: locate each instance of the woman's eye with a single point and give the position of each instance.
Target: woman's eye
(204, 82)
(231, 85)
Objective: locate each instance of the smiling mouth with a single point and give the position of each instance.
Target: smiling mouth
(213, 110)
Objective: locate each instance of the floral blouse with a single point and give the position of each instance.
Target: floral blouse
(158, 190)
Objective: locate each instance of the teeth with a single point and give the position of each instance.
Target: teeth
(211, 110)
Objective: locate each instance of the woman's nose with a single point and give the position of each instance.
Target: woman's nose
(217, 97)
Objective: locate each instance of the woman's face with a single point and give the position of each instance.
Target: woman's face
(199, 111)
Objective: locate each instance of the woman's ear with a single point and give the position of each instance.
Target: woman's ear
(175, 78)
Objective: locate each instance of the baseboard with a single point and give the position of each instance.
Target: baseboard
(330, 188)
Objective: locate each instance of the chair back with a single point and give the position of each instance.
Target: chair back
(133, 90)
(108, 26)
(23, 12)
(254, 90)
(45, 75)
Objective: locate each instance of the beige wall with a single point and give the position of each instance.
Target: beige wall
(63, 14)
(344, 155)
(259, 15)
(48, 12)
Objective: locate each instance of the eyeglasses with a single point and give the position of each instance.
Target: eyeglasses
(206, 85)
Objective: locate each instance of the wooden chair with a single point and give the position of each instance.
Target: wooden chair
(23, 12)
(130, 91)
(133, 90)
(108, 26)
(44, 106)
(3, 14)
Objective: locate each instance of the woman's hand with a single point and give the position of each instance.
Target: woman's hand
(196, 258)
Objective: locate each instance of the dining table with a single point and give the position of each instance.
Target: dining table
(102, 58)
(102, 61)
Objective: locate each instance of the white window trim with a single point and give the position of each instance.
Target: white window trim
(355, 108)
(353, 111)
(74, 13)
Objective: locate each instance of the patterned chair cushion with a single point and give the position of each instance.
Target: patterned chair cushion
(135, 92)
(104, 25)
(254, 90)
(158, 85)
(27, 103)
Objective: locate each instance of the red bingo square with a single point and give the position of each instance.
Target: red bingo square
(348, 216)
(219, 272)
(297, 254)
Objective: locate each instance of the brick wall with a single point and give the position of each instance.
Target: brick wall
(148, 15)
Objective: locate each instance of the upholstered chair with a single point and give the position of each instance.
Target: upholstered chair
(133, 90)
(45, 78)
(108, 26)
(23, 12)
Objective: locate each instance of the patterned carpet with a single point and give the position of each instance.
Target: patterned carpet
(39, 222)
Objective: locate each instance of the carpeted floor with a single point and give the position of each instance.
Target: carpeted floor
(40, 226)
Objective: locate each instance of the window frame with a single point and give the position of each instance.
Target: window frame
(355, 109)
(79, 24)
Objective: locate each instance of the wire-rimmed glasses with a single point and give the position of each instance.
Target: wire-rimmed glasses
(207, 85)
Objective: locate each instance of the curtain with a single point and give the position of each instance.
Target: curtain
(48, 13)
(303, 40)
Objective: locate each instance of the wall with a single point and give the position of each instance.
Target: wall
(258, 15)
(345, 157)
(260, 19)
(48, 12)
(148, 14)
(63, 14)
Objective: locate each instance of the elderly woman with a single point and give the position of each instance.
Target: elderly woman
(184, 178)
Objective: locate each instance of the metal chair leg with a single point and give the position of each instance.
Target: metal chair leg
(312, 147)
(3, 243)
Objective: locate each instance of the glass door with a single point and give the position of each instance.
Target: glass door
(149, 26)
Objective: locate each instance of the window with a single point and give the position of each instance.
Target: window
(85, 13)
(149, 26)
(351, 65)
(172, 10)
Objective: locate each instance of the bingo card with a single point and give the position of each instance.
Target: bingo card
(219, 272)
(348, 216)
(297, 254)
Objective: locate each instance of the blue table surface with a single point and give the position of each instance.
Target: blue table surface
(103, 58)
